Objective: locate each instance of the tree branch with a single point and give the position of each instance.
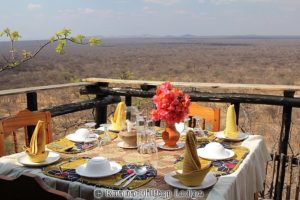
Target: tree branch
(13, 62)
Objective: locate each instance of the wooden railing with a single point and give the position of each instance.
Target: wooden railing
(109, 91)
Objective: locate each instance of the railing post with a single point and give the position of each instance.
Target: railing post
(32, 105)
(101, 111)
(128, 103)
(283, 144)
(237, 112)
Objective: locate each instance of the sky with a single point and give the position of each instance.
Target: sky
(40, 19)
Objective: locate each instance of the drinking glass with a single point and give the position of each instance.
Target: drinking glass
(146, 138)
(198, 126)
(106, 138)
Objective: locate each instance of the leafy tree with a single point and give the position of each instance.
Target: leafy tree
(61, 37)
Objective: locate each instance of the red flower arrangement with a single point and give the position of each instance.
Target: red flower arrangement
(171, 104)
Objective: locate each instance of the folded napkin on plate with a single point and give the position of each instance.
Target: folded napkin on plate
(36, 151)
(231, 130)
(193, 173)
(119, 118)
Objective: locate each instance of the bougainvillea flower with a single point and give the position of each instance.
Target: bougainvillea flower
(171, 104)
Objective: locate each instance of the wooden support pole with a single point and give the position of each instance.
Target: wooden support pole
(32, 105)
(101, 111)
(128, 103)
(283, 144)
(237, 112)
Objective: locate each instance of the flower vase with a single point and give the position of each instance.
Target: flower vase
(170, 136)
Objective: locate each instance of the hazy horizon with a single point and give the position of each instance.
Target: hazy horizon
(185, 36)
(40, 19)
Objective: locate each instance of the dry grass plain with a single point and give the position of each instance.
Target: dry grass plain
(229, 60)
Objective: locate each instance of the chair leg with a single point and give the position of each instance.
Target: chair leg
(256, 196)
(15, 142)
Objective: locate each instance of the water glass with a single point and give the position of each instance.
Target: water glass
(106, 138)
(198, 126)
(146, 137)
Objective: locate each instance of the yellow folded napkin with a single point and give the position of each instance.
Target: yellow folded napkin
(193, 173)
(36, 151)
(231, 130)
(119, 118)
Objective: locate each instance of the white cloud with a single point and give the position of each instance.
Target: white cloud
(33, 6)
(163, 2)
(181, 12)
(148, 10)
(87, 10)
(78, 10)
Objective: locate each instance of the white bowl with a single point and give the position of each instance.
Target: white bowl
(215, 151)
(98, 167)
(98, 164)
(82, 133)
(215, 148)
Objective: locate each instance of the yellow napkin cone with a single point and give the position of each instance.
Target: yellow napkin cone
(231, 130)
(193, 173)
(36, 152)
(119, 117)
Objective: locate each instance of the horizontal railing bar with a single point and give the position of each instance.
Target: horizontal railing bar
(201, 96)
(83, 105)
(40, 88)
(235, 86)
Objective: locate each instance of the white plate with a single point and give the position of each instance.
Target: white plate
(206, 155)
(110, 128)
(90, 124)
(125, 146)
(73, 137)
(209, 180)
(241, 137)
(52, 158)
(115, 168)
(180, 145)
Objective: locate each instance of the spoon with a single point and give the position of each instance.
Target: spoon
(138, 172)
(124, 179)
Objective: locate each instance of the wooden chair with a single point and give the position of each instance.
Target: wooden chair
(23, 119)
(210, 115)
(29, 186)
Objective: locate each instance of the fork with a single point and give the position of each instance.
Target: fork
(124, 179)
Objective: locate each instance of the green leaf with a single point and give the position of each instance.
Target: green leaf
(80, 37)
(6, 32)
(60, 46)
(26, 54)
(73, 39)
(64, 32)
(14, 64)
(94, 41)
(14, 36)
(51, 39)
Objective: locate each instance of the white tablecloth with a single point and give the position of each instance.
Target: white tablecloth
(248, 178)
(240, 185)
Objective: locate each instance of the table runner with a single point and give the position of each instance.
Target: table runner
(66, 170)
(68, 147)
(222, 167)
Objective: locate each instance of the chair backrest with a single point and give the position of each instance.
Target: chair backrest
(23, 119)
(210, 115)
(29, 186)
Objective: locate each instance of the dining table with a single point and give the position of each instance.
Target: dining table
(242, 183)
